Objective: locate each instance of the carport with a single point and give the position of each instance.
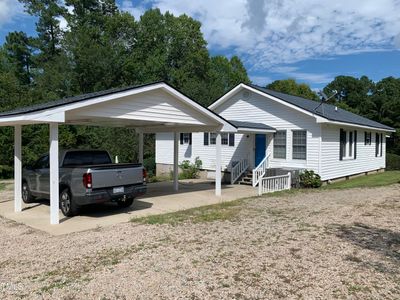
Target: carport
(151, 108)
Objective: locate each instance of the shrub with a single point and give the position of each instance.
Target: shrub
(392, 161)
(309, 179)
(190, 170)
(6, 172)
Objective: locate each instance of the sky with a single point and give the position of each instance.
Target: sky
(311, 41)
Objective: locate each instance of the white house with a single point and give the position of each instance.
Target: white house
(277, 131)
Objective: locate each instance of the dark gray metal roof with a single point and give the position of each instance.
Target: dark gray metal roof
(241, 124)
(325, 110)
(69, 100)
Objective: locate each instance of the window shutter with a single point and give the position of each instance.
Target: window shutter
(355, 144)
(205, 138)
(181, 138)
(341, 144)
(190, 138)
(376, 144)
(365, 137)
(231, 139)
(381, 144)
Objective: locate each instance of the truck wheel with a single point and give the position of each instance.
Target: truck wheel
(68, 206)
(125, 203)
(26, 193)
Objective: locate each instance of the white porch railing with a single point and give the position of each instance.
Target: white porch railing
(239, 169)
(260, 170)
(274, 184)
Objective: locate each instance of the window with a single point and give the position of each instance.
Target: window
(367, 138)
(42, 163)
(186, 138)
(224, 138)
(378, 144)
(280, 144)
(227, 139)
(299, 144)
(348, 144)
(213, 138)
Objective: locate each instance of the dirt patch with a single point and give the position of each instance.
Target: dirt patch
(324, 244)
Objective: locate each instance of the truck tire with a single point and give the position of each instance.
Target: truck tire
(67, 204)
(26, 193)
(125, 203)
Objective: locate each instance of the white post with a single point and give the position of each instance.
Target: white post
(141, 147)
(260, 187)
(17, 169)
(218, 165)
(176, 157)
(289, 180)
(54, 178)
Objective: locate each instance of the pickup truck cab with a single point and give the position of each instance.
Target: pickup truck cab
(86, 177)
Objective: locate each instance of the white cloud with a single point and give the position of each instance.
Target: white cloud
(271, 32)
(294, 72)
(260, 80)
(135, 10)
(8, 10)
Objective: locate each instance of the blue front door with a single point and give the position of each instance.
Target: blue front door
(261, 145)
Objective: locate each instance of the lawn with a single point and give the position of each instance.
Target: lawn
(375, 180)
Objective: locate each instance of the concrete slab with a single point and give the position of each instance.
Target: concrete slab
(160, 199)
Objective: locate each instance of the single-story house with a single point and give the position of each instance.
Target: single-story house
(276, 131)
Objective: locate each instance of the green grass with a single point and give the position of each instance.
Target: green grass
(226, 211)
(375, 180)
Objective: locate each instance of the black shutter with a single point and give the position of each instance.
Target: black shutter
(376, 144)
(365, 137)
(355, 144)
(205, 138)
(190, 138)
(181, 138)
(341, 143)
(231, 139)
(381, 144)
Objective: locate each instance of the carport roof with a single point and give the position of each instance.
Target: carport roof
(55, 111)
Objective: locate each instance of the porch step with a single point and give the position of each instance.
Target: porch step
(247, 178)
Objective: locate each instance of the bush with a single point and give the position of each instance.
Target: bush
(309, 179)
(190, 170)
(6, 172)
(392, 161)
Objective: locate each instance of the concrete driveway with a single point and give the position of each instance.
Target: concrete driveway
(160, 199)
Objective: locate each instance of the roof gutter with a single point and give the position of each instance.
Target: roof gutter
(326, 121)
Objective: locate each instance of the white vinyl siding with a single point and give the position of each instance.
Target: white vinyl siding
(331, 165)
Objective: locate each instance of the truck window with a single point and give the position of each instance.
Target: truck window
(79, 158)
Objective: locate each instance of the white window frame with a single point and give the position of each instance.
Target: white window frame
(293, 145)
(349, 153)
(286, 145)
(212, 136)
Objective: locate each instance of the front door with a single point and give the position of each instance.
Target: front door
(261, 145)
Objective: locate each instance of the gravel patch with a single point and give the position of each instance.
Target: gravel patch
(314, 245)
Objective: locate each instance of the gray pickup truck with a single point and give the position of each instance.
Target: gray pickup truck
(86, 177)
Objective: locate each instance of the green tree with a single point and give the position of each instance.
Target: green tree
(291, 87)
(18, 48)
(223, 75)
(48, 28)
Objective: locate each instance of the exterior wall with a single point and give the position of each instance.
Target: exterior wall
(365, 161)
(260, 109)
(165, 146)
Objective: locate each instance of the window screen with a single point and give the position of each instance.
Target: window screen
(213, 138)
(280, 144)
(299, 144)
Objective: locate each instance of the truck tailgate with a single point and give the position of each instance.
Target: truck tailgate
(116, 175)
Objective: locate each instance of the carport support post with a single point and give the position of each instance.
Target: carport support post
(17, 169)
(176, 157)
(218, 165)
(141, 147)
(54, 176)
